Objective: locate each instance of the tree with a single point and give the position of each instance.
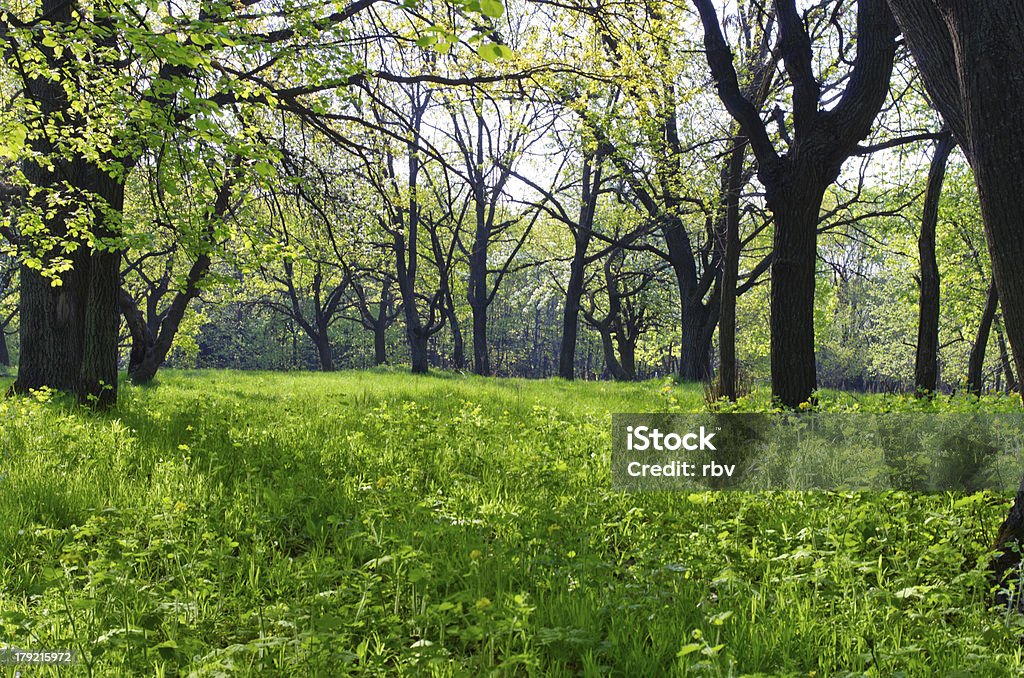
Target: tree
(154, 299)
(795, 180)
(491, 132)
(926, 365)
(8, 310)
(972, 72)
(100, 83)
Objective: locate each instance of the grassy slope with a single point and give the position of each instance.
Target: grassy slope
(378, 523)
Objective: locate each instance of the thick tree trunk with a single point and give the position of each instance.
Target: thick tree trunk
(969, 58)
(5, 356)
(323, 352)
(627, 357)
(926, 364)
(418, 352)
(975, 75)
(794, 376)
(976, 361)
(69, 333)
(380, 344)
(698, 326)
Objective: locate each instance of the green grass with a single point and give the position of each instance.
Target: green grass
(374, 523)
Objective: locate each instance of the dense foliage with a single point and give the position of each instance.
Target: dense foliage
(369, 523)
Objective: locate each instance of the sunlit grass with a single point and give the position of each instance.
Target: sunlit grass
(378, 523)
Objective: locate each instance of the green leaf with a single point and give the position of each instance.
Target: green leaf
(689, 649)
(492, 8)
(12, 143)
(492, 52)
(265, 169)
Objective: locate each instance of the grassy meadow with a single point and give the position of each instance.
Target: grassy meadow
(375, 523)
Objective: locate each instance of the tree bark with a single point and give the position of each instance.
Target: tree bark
(1004, 358)
(69, 333)
(697, 331)
(794, 376)
(571, 309)
(481, 356)
(5, 356)
(591, 184)
(976, 362)
(380, 344)
(418, 352)
(610, 360)
(795, 181)
(970, 62)
(926, 364)
(324, 353)
(728, 373)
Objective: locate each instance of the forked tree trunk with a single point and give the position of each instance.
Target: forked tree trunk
(795, 180)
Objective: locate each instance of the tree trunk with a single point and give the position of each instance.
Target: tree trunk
(697, 318)
(69, 333)
(610, 361)
(571, 311)
(976, 81)
(627, 357)
(138, 330)
(976, 362)
(418, 352)
(481, 357)
(794, 377)
(728, 373)
(380, 345)
(824, 136)
(323, 351)
(926, 364)
(698, 326)
(5, 356)
(458, 343)
(1004, 358)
